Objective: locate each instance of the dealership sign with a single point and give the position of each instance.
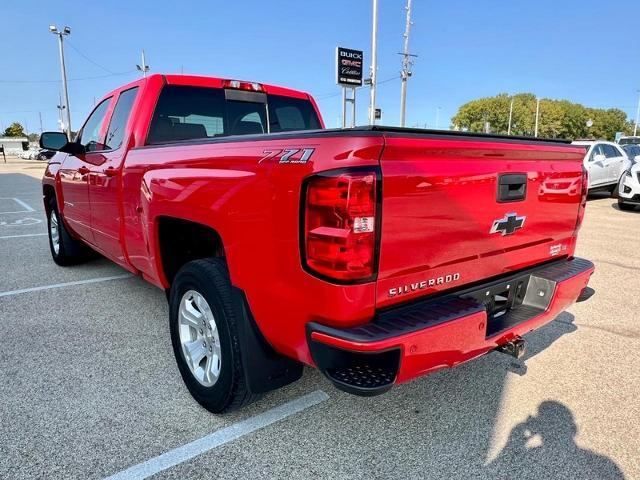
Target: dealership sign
(348, 67)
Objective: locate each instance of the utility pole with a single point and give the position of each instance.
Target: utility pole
(374, 64)
(535, 133)
(406, 66)
(65, 31)
(635, 128)
(144, 68)
(40, 117)
(510, 116)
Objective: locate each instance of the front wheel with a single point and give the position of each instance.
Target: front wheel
(65, 250)
(625, 206)
(204, 336)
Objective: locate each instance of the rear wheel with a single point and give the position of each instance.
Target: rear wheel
(65, 250)
(204, 335)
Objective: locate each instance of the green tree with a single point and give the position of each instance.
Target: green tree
(607, 122)
(14, 130)
(33, 137)
(557, 118)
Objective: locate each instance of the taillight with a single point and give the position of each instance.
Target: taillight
(583, 199)
(340, 224)
(240, 85)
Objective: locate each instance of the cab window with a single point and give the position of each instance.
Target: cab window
(90, 135)
(119, 119)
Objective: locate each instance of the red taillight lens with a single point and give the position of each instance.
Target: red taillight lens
(240, 85)
(583, 199)
(340, 223)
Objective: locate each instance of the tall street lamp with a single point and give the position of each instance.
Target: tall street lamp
(635, 128)
(66, 31)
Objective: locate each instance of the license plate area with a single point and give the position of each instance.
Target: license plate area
(514, 301)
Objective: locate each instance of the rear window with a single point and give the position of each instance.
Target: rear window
(185, 113)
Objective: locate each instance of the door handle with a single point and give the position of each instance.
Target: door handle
(110, 172)
(83, 170)
(512, 187)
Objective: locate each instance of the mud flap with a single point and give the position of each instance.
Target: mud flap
(265, 369)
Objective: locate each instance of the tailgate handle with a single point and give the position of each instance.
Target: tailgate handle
(512, 187)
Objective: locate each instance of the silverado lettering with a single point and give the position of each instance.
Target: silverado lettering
(335, 262)
(412, 287)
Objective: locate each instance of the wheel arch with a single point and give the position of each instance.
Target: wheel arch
(180, 241)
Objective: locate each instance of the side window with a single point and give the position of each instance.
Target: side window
(90, 134)
(119, 119)
(610, 151)
(597, 150)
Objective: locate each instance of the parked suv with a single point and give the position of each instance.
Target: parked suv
(605, 162)
(629, 187)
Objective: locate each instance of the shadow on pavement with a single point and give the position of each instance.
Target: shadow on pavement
(615, 206)
(544, 446)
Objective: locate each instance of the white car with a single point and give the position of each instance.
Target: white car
(606, 162)
(629, 187)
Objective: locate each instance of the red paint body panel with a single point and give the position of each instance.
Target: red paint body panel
(438, 204)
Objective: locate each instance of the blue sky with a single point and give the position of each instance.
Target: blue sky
(582, 50)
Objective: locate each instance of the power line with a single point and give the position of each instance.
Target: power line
(71, 79)
(88, 59)
(331, 95)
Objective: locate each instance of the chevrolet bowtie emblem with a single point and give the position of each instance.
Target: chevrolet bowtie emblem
(508, 224)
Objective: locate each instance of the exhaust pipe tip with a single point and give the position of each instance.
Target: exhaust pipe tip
(516, 348)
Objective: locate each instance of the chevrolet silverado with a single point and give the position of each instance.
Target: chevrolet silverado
(376, 254)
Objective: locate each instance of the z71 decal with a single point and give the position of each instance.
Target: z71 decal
(289, 155)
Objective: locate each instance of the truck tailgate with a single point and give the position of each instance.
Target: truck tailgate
(461, 210)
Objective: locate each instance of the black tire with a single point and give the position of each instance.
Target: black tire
(70, 251)
(615, 190)
(210, 278)
(625, 206)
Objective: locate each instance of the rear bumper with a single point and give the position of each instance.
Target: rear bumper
(411, 340)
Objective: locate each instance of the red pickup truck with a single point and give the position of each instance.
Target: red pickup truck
(375, 254)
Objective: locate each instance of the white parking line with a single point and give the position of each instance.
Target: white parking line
(66, 284)
(190, 450)
(26, 207)
(23, 204)
(25, 235)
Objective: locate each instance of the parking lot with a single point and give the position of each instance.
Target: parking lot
(89, 387)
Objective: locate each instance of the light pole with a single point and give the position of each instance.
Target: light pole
(144, 68)
(65, 31)
(535, 133)
(635, 128)
(510, 116)
(406, 66)
(374, 64)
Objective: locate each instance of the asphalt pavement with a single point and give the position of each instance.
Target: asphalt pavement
(89, 387)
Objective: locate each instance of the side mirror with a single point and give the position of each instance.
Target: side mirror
(58, 141)
(599, 157)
